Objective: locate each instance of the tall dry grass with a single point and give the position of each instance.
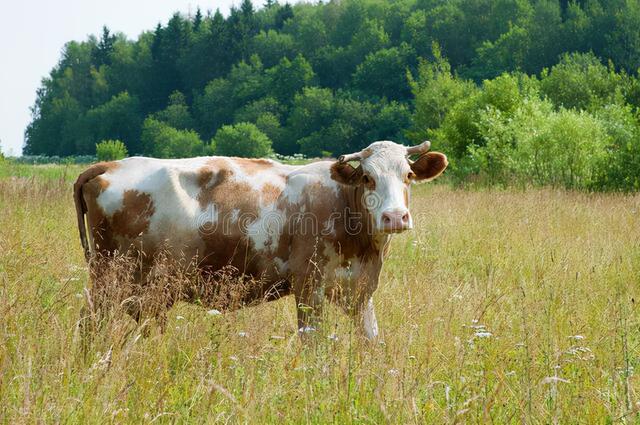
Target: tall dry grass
(500, 306)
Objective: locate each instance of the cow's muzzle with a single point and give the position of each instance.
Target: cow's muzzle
(395, 221)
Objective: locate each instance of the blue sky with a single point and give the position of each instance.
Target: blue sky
(33, 33)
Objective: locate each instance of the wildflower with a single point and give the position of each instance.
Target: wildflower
(483, 334)
(242, 334)
(214, 312)
(551, 379)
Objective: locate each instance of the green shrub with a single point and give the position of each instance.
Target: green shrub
(620, 168)
(163, 141)
(436, 91)
(243, 139)
(110, 150)
(539, 145)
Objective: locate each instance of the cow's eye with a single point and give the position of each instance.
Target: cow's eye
(410, 176)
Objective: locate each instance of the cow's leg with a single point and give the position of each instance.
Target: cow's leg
(369, 322)
(355, 298)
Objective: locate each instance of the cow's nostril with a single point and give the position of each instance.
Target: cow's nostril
(386, 219)
(405, 218)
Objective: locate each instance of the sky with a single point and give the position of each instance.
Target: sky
(33, 33)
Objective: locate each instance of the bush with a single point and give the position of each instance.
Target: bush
(620, 168)
(110, 150)
(540, 145)
(243, 139)
(460, 127)
(436, 91)
(163, 141)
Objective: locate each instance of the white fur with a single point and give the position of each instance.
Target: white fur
(369, 322)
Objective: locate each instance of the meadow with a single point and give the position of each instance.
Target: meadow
(501, 306)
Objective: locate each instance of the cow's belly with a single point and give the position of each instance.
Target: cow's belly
(199, 237)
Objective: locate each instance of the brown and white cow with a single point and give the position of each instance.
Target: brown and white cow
(318, 231)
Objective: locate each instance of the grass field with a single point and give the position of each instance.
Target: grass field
(501, 306)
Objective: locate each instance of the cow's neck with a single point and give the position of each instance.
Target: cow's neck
(367, 238)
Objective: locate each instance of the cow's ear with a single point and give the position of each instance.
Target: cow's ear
(429, 166)
(345, 173)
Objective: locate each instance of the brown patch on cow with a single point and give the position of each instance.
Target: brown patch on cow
(133, 218)
(89, 185)
(253, 166)
(344, 173)
(101, 232)
(226, 242)
(81, 205)
(96, 170)
(270, 193)
(349, 235)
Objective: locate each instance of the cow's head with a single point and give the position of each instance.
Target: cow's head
(385, 173)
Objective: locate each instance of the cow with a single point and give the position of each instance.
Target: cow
(319, 231)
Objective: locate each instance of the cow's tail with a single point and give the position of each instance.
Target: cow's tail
(81, 206)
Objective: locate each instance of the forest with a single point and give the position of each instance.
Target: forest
(539, 92)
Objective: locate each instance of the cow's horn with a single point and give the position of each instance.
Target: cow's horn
(419, 149)
(350, 157)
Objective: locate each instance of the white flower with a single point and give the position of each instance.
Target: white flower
(307, 329)
(483, 334)
(242, 334)
(333, 337)
(179, 318)
(214, 312)
(576, 337)
(551, 379)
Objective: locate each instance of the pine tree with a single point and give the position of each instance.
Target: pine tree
(284, 13)
(197, 20)
(102, 51)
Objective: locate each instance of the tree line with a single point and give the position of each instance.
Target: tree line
(540, 90)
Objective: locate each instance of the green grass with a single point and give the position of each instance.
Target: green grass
(552, 276)
(9, 169)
